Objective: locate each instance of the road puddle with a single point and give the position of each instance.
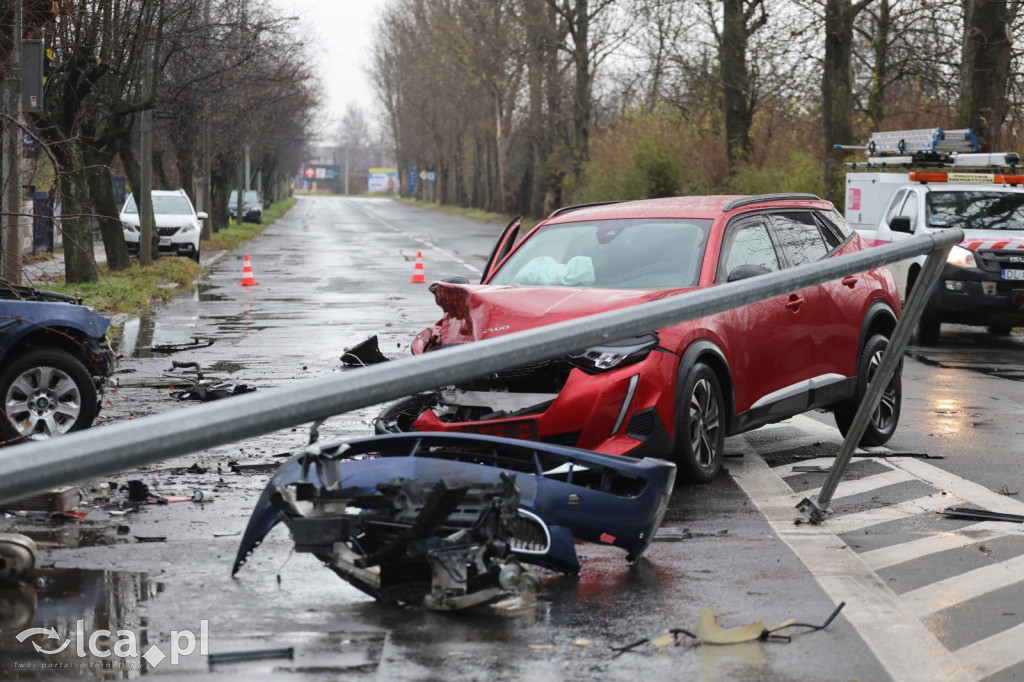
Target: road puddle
(75, 622)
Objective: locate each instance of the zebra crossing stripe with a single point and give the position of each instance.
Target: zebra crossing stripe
(957, 589)
(903, 645)
(884, 557)
(993, 654)
(848, 523)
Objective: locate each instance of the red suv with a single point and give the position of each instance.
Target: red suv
(674, 392)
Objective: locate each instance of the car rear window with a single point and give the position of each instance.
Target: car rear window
(620, 254)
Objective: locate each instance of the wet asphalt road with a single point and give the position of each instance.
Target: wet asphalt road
(333, 272)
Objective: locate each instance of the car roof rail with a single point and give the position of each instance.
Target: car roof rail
(566, 209)
(759, 198)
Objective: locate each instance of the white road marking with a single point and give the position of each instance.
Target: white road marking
(884, 557)
(957, 589)
(992, 654)
(425, 243)
(890, 623)
(848, 523)
(866, 484)
(904, 646)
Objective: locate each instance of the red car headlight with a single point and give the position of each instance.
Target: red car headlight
(612, 355)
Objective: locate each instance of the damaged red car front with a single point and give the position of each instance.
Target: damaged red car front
(674, 392)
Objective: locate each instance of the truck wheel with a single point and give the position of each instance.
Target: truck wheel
(887, 414)
(46, 393)
(700, 424)
(928, 328)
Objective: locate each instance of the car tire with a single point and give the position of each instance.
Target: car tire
(700, 424)
(398, 417)
(1000, 329)
(928, 328)
(886, 416)
(46, 393)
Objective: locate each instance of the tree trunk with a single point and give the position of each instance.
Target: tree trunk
(581, 99)
(984, 71)
(837, 90)
(76, 224)
(735, 84)
(880, 68)
(97, 171)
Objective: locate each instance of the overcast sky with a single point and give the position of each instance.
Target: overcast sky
(340, 33)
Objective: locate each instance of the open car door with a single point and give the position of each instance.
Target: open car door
(505, 243)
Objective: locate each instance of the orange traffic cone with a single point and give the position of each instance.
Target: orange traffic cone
(247, 278)
(417, 271)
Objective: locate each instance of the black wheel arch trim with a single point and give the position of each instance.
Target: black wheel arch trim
(706, 348)
(879, 319)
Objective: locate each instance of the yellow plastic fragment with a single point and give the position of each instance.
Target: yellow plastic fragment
(663, 640)
(710, 632)
(582, 642)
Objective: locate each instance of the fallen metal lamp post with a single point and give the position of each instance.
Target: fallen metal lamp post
(815, 508)
(33, 467)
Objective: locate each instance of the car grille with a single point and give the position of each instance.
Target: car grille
(167, 231)
(529, 535)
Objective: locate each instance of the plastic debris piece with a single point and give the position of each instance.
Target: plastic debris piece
(710, 632)
(364, 353)
(663, 640)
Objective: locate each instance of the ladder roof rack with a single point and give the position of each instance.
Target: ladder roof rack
(930, 148)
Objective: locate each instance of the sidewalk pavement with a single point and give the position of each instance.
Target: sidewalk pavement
(50, 267)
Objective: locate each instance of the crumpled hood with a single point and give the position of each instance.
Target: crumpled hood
(475, 312)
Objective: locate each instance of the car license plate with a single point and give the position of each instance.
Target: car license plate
(166, 241)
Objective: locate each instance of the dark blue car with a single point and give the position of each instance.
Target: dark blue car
(54, 362)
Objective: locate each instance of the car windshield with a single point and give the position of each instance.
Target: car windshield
(976, 210)
(623, 254)
(164, 205)
(251, 196)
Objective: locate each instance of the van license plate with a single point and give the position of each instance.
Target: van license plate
(1013, 274)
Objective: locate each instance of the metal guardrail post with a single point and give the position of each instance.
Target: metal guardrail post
(33, 467)
(815, 508)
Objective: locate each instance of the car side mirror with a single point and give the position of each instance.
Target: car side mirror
(901, 223)
(202, 215)
(746, 272)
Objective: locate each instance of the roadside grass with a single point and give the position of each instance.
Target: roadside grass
(237, 234)
(135, 290)
(139, 289)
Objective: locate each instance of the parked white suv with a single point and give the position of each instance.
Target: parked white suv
(175, 220)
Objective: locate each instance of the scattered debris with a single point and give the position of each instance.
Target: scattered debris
(364, 353)
(810, 470)
(150, 538)
(202, 496)
(1006, 491)
(212, 392)
(442, 520)
(710, 632)
(980, 515)
(194, 344)
(58, 500)
(137, 491)
(667, 535)
(256, 655)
